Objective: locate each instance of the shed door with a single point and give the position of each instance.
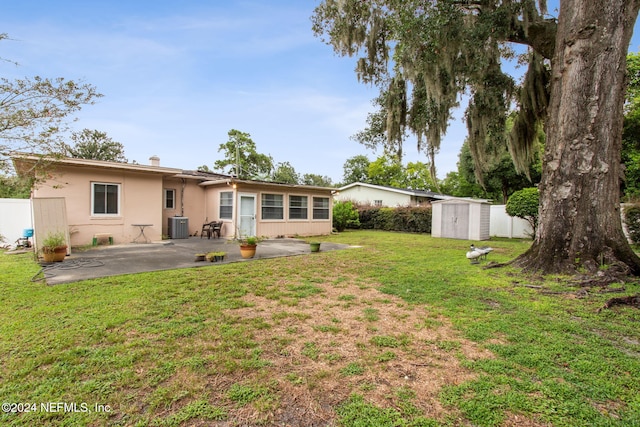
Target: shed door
(455, 220)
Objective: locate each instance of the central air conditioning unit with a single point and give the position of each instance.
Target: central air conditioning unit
(178, 227)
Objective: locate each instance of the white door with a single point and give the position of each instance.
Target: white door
(247, 226)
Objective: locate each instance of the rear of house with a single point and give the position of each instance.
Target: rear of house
(116, 199)
(254, 208)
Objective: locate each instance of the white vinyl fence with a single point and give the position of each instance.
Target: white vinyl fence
(15, 217)
(503, 225)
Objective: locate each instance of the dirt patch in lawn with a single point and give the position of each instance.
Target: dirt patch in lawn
(352, 339)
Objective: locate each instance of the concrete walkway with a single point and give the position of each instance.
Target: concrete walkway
(105, 261)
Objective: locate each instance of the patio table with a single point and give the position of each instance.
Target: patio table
(141, 235)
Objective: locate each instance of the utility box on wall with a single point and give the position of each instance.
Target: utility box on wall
(178, 227)
(465, 219)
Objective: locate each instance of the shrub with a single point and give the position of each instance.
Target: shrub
(345, 215)
(367, 217)
(53, 241)
(524, 204)
(632, 220)
(415, 219)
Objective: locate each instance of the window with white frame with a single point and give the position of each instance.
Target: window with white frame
(169, 198)
(298, 207)
(377, 203)
(105, 198)
(272, 206)
(226, 205)
(320, 208)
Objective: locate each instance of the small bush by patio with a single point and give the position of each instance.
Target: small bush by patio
(345, 215)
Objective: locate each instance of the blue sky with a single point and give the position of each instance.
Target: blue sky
(177, 76)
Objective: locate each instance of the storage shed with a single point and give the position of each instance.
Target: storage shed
(467, 219)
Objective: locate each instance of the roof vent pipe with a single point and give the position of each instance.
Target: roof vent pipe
(155, 160)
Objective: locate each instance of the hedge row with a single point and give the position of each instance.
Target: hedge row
(409, 219)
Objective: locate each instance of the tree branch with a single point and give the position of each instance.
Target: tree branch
(540, 35)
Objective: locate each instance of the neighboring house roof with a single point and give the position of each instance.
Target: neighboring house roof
(405, 191)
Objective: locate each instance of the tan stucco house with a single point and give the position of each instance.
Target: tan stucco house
(113, 198)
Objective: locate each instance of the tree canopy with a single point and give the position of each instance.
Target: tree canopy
(524, 204)
(389, 171)
(242, 159)
(96, 145)
(422, 55)
(285, 173)
(355, 169)
(316, 180)
(34, 113)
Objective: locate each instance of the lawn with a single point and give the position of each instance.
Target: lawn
(400, 331)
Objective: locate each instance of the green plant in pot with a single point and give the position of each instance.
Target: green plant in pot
(54, 247)
(216, 256)
(248, 247)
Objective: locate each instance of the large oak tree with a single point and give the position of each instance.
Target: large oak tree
(424, 54)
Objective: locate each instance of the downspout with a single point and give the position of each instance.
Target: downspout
(235, 209)
(184, 184)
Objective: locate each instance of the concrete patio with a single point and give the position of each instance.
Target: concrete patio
(105, 261)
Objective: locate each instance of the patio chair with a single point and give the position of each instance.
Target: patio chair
(217, 228)
(207, 228)
(211, 229)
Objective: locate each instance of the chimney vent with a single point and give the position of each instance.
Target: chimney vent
(155, 160)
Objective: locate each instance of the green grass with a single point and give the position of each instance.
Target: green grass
(195, 346)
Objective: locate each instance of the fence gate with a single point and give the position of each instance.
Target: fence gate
(49, 216)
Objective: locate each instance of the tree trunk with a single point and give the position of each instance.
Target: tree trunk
(579, 221)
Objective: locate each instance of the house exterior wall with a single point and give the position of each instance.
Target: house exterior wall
(367, 195)
(189, 202)
(271, 227)
(140, 195)
(212, 209)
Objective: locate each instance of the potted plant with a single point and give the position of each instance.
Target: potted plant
(216, 256)
(200, 257)
(54, 247)
(248, 247)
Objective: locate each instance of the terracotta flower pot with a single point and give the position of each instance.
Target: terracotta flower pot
(247, 251)
(56, 255)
